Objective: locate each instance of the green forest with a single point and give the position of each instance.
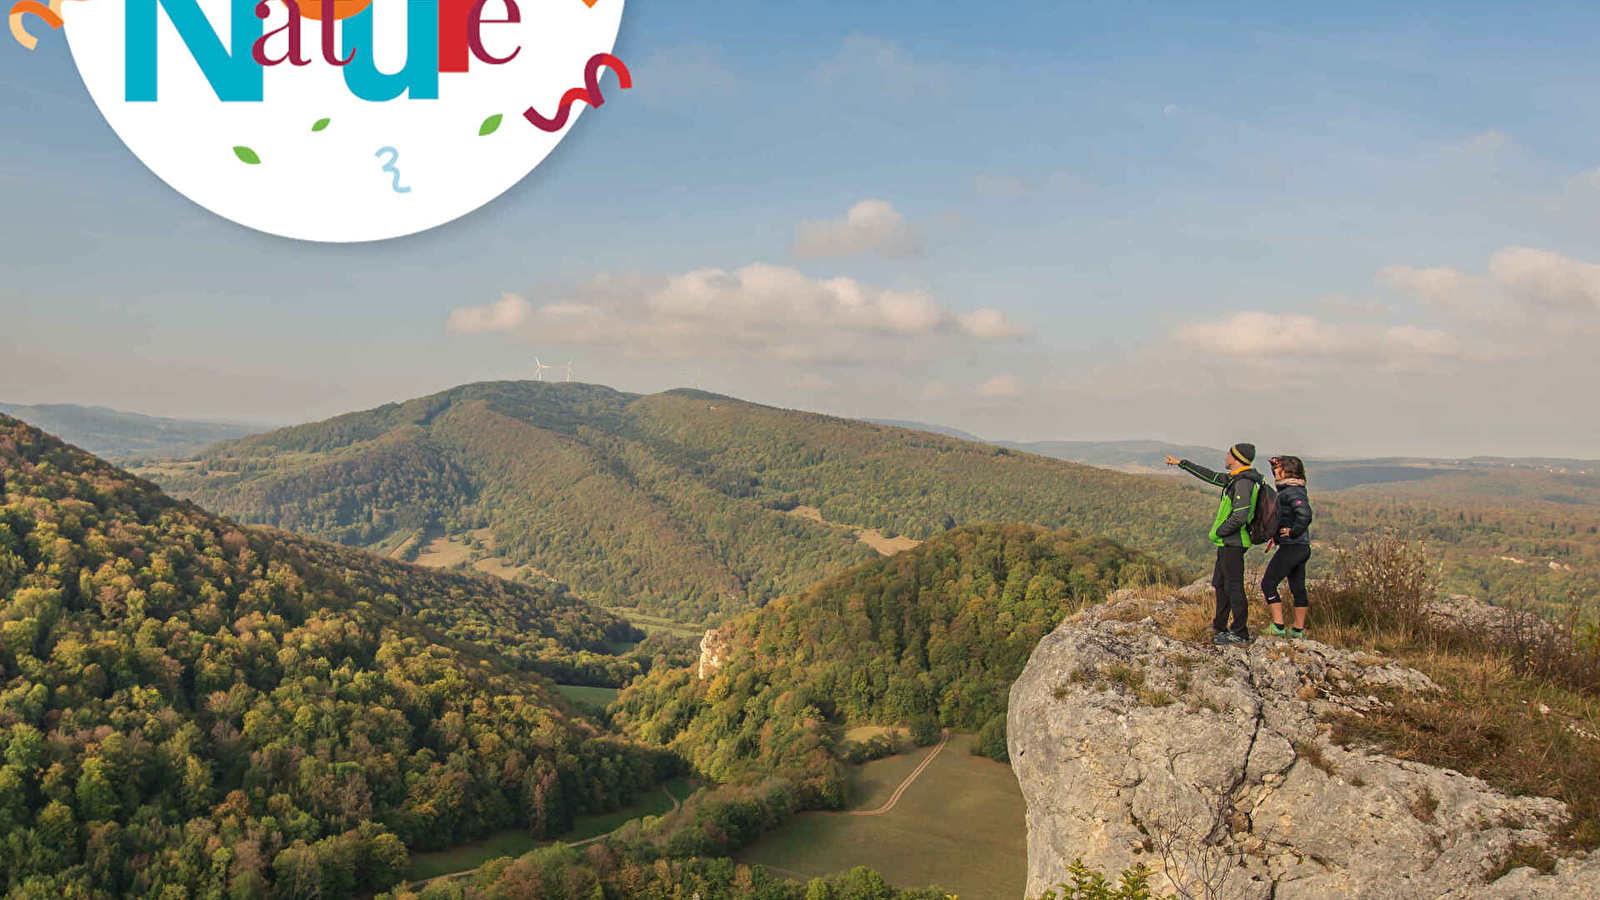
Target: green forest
(193, 709)
(927, 638)
(676, 503)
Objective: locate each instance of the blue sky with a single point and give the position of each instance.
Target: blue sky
(1337, 229)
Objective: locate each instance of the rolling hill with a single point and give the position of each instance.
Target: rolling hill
(694, 507)
(117, 435)
(934, 635)
(193, 708)
(681, 504)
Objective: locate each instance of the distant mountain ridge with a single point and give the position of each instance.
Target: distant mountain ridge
(118, 435)
(1134, 454)
(947, 431)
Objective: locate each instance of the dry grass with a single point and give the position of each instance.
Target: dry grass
(1313, 754)
(1424, 805)
(1520, 706)
(1530, 855)
(1520, 700)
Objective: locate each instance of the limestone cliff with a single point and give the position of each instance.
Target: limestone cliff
(1214, 768)
(713, 653)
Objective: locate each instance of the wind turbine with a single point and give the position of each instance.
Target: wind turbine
(569, 370)
(538, 369)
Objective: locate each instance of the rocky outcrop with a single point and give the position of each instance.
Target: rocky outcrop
(1214, 768)
(713, 653)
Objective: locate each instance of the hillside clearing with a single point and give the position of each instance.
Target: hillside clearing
(872, 537)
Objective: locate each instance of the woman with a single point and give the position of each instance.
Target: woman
(1294, 546)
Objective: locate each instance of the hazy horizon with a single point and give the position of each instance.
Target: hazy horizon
(269, 425)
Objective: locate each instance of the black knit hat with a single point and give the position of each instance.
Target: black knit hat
(1243, 452)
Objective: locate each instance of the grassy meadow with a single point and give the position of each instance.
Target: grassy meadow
(959, 825)
(594, 696)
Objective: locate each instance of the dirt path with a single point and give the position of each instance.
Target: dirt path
(451, 876)
(895, 797)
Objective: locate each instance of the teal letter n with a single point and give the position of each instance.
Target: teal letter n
(234, 76)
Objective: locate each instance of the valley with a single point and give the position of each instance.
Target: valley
(515, 665)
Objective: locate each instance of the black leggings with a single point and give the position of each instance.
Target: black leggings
(1289, 562)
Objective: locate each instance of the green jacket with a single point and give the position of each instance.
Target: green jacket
(1238, 503)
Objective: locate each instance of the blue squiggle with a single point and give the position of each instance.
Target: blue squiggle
(394, 157)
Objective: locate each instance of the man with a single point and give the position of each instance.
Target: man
(1231, 534)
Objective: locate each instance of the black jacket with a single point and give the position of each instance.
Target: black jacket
(1294, 513)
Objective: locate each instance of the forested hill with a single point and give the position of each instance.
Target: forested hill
(191, 708)
(936, 634)
(675, 502)
(119, 435)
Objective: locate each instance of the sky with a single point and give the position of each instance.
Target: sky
(1329, 229)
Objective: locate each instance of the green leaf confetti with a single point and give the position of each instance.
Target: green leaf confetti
(247, 156)
(320, 124)
(489, 125)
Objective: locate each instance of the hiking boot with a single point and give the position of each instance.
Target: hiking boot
(1296, 634)
(1278, 631)
(1228, 639)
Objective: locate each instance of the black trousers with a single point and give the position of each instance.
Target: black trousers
(1228, 581)
(1289, 562)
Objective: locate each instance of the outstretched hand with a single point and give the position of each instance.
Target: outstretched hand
(1173, 460)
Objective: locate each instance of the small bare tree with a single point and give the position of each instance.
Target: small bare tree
(1195, 861)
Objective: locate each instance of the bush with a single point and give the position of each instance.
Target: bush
(1085, 883)
(992, 740)
(925, 730)
(1383, 583)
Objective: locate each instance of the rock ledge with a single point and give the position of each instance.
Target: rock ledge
(1214, 769)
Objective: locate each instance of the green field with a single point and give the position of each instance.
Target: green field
(960, 826)
(864, 733)
(594, 696)
(516, 842)
(652, 624)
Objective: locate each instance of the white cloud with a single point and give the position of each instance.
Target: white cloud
(862, 60)
(871, 226)
(1000, 387)
(1547, 279)
(1304, 344)
(759, 312)
(991, 325)
(1525, 290)
(1170, 110)
(506, 313)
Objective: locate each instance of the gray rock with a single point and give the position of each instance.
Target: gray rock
(713, 653)
(1212, 768)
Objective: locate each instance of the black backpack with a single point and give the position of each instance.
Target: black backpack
(1263, 525)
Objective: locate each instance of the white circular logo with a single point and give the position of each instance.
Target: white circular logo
(343, 120)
